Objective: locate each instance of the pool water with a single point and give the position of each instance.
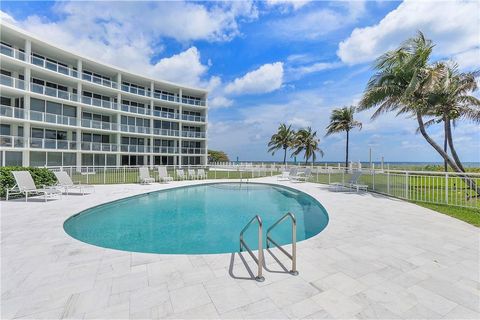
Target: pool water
(197, 219)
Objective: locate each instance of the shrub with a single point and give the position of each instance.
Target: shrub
(41, 177)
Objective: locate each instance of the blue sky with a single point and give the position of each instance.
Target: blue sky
(270, 62)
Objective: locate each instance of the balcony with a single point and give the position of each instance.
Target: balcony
(53, 144)
(194, 102)
(165, 97)
(99, 103)
(53, 118)
(134, 129)
(11, 52)
(12, 141)
(189, 117)
(100, 81)
(135, 90)
(135, 148)
(12, 82)
(133, 109)
(95, 124)
(187, 150)
(166, 132)
(97, 146)
(53, 92)
(165, 114)
(160, 149)
(12, 112)
(193, 134)
(52, 66)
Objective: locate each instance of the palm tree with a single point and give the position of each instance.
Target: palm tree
(307, 141)
(451, 100)
(403, 83)
(342, 120)
(282, 139)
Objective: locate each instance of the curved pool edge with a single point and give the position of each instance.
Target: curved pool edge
(196, 183)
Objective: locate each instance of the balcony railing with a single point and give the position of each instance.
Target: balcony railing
(101, 81)
(95, 124)
(12, 82)
(160, 149)
(53, 144)
(12, 141)
(53, 92)
(133, 109)
(193, 150)
(166, 132)
(12, 52)
(135, 129)
(194, 102)
(135, 148)
(165, 114)
(97, 146)
(55, 67)
(99, 103)
(193, 134)
(189, 117)
(12, 112)
(136, 90)
(53, 118)
(165, 97)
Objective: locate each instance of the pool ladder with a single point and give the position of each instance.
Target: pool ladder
(260, 260)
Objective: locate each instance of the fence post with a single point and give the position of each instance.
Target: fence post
(104, 174)
(388, 182)
(124, 174)
(446, 187)
(406, 185)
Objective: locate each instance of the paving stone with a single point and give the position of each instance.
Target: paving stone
(188, 298)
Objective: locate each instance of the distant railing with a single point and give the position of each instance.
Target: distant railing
(12, 141)
(12, 112)
(99, 103)
(166, 132)
(193, 134)
(195, 102)
(134, 129)
(98, 80)
(52, 92)
(165, 114)
(53, 144)
(53, 118)
(12, 52)
(136, 90)
(165, 97)
(53, 66)
(189, 117)
(12, 82)
(95, 124)
(134, 109)
(97, 146)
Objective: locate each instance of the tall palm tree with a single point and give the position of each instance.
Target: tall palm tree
(307, 142)
(451, 100)
(342, 120)
(403, 83)
(282, 139)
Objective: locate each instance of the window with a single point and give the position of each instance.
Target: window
(69, 159)
(37, 133)
(5, 101)
(69, 111)
(4, 129)
(20, 131)
(55, 108)
(87, 159)
(86, 137)
(111, 160)
(38, 159)
(37, 105)
(54, 159)
(13, 158)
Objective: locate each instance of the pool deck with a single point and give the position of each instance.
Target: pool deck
(378, 257)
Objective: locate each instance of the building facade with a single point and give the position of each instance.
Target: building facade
(61, 109)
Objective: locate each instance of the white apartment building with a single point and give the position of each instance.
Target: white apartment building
(62, 109)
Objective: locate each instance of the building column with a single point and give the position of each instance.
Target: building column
(180, 124)
(205, 158)
(119, 120)
(27, 74)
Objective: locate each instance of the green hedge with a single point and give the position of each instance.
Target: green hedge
(41, 177)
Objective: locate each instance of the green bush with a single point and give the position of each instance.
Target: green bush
(41, 177)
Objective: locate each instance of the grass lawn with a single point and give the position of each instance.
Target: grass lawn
(469, 215)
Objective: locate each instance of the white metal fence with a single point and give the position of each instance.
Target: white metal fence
(432, 187)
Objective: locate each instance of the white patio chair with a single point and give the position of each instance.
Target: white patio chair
(145, 176)
(192, 174)
(287, 174)
(25, 185)
(181, 174)
(65, 182)
(201, 174)
(163, 175)
(302, 176)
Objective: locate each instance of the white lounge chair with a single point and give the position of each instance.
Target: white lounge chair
(163, 175)
(287, 174)
(26, 185)
(351, 184)
(191, 174)
(145, 176)
(301, 176)
(201, 174)
(181, 174)
(65, 182)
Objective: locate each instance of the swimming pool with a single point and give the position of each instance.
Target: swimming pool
(196, 219)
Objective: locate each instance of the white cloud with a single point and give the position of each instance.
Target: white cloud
(469, 59)
(220, 102)
(267, 78)
(453, 26)
(296, 73)
(295, 4)
(315, 23)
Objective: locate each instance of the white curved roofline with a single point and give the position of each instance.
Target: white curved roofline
(31, 37)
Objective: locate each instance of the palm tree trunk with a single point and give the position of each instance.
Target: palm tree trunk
(469, 182)
(448, 133)
(445, 146)
(346, 152)
(284, 156)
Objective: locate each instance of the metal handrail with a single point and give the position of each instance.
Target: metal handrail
(293, 255)
(258, 260)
